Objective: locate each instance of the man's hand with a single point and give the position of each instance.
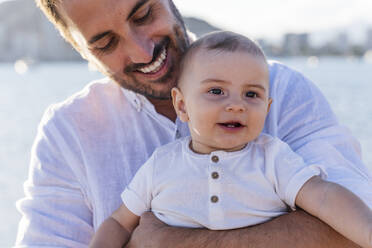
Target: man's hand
(296, 230)
(147, 232)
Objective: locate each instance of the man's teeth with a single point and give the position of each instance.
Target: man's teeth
(156, 65)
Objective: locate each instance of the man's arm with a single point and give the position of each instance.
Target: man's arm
(54, 211)
(296, 229)
(303, 119)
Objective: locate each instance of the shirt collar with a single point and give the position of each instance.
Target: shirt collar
(138, 101)
(220, 153)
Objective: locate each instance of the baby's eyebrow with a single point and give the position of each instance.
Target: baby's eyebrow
(215, 80)
(258, 86)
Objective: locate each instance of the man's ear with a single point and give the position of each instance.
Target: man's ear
(179, 104)
(269, 105)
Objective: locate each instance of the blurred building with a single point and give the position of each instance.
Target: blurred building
(270, 49)
(26, 33)
(341, 44)
(369, 39)
(296, 44)
(199, 27)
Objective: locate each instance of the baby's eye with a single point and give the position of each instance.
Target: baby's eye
(216, 91)
(251, 94)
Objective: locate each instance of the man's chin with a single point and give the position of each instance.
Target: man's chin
(159, 91)
(163, 94)
(153, 85)
(158, 97)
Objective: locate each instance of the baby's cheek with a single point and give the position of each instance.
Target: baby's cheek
(203, 129)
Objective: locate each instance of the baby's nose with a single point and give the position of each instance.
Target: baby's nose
(235, 107)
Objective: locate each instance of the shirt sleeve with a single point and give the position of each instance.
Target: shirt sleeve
(54, 211)
(137, 195)
(288, 171)
(303, 118)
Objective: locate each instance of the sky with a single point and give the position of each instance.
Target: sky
(271, 18)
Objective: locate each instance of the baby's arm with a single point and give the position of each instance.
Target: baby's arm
(116, 230)
(339, 208)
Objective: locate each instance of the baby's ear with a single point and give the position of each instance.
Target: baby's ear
(179, 104)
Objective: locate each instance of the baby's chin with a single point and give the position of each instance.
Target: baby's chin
(230, 144)
(234, 148)
(229, 147)
(233, 143)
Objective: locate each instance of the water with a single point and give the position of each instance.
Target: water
(347, 84)
(23, 98)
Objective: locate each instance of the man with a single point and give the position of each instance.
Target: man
(89, 147)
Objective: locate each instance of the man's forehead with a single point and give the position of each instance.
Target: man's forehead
(90, 16)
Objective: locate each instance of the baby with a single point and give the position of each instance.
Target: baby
(227, 174)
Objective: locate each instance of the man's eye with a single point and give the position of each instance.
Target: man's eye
(251, 94)
(109, 45)
(216, 91)
(142, 19)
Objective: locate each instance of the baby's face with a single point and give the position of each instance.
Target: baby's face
(224, 97)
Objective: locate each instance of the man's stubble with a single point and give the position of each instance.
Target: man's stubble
(177, 44)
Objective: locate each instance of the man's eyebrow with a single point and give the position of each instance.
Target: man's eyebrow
(132, 12)
(98, 37)
(136, 7)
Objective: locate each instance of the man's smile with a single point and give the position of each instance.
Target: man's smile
(156, 65)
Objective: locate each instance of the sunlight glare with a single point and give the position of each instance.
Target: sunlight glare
(21, 66)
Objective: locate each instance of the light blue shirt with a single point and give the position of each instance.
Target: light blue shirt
(89, 147)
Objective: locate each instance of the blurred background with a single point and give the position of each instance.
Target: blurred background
(329, 41)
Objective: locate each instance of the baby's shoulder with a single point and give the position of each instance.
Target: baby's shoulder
(170, 149)
(266, 141)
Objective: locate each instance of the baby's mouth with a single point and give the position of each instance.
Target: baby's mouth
(231, 124)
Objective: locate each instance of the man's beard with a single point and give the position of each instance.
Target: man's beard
(176, 46)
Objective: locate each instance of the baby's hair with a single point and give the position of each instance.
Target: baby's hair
(222, 41)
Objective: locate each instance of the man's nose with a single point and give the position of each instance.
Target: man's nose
(235, 106)
(140, 48)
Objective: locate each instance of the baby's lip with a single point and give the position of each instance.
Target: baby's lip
(231, 124)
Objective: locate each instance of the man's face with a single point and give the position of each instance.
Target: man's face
(138, 43)
(224, 98)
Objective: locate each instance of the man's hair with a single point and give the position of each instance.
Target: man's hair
(50, 9)
(222, 41)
